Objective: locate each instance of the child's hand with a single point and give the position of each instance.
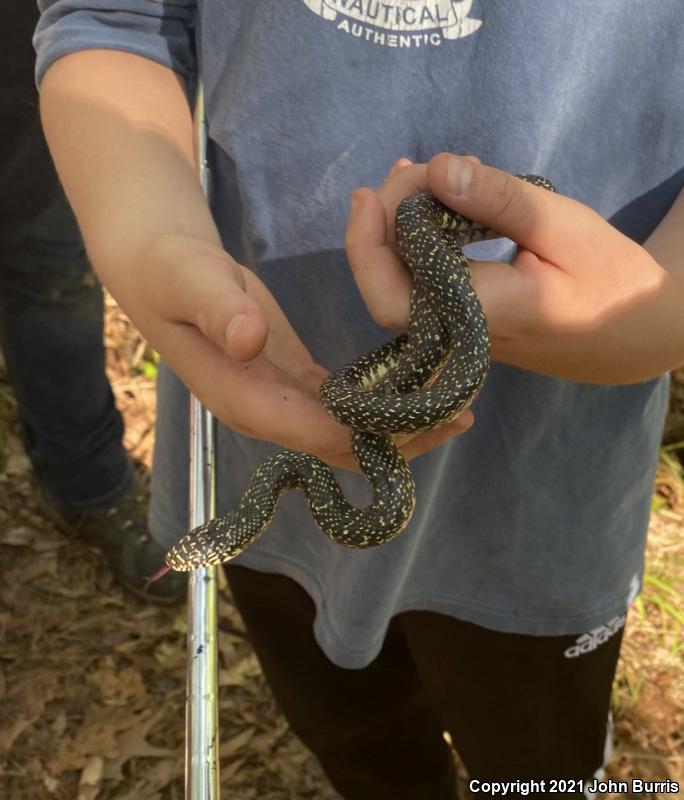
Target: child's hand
(223, 333)
(580, 301)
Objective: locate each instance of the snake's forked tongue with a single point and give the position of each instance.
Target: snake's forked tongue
(156, 576)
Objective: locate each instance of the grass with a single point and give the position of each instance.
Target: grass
(648, 694)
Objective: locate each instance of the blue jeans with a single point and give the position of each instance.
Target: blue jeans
(51, 318)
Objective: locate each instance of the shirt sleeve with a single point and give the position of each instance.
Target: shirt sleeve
(161, 30)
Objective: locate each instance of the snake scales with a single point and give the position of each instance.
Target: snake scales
(412, 383)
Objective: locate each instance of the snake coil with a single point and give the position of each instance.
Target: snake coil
(412, 383)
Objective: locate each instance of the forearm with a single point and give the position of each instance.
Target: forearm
(666, 243)
(120, 132)
(663, 324)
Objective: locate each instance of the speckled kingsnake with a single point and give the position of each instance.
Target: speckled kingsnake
(412, 383)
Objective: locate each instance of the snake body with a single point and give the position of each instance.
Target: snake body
(412, 383)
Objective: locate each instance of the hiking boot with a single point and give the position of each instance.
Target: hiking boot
(120, 532)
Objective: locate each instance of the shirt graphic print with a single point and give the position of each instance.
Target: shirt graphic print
(399, 23)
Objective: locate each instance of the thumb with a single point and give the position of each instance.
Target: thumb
(531, 216)
(206, 288)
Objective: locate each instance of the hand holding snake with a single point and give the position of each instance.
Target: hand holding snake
(415, 382)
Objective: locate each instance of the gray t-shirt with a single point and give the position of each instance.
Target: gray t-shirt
(535, 520)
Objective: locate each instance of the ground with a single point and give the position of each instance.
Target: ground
(92, 680)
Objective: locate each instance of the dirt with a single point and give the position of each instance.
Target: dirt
(92, 681)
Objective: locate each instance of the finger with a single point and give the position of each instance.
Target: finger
(283, 346)
(428, 440)
(383, 281)
(401, 184)
(545, 222)
(411, 445)
(414, 180)
(255, 398)
(207, 290)
(505, 296)
(399, 164)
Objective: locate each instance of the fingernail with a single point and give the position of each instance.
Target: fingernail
(458, 175)
(355, 202)
(233, 325)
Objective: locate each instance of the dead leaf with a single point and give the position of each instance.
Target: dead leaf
(235, 743)
(91, 779)
(50, 783)
(118, 686)
(60, 723)
(239, 672)
(9, 736)
(18, 536)
(133, 742)
(231, 770)
(17, 465)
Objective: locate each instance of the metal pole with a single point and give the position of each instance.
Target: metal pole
(201, 709)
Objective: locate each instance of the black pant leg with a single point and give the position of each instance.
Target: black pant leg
(517, 707)
(372, 730)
